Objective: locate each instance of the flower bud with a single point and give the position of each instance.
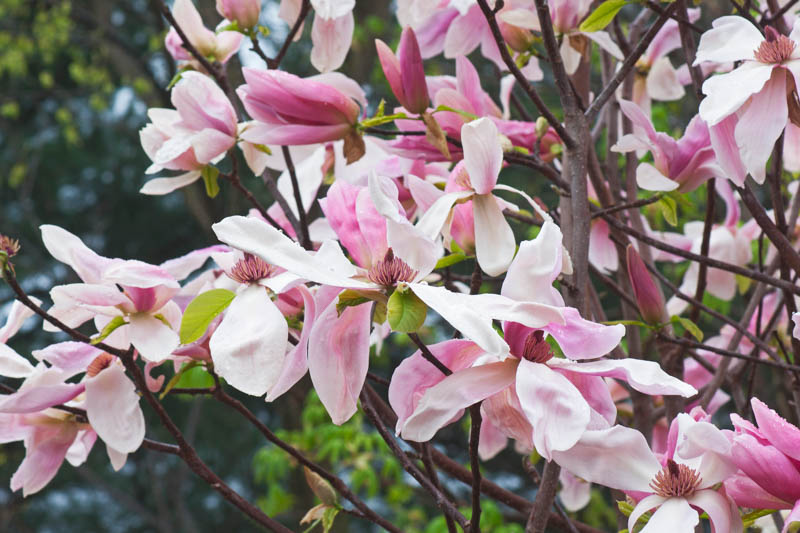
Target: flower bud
(648, 296)
(244, 12)
(405, 72)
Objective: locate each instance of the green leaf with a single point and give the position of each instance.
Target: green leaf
(379, 313)
(349, 298)
(405, 311)
(327, 518)
(177, 377)
(263, 148)
(211, 180)
(201, 311)
(627, 323)
(602, 16)
(689, 326)
(669, 208)
(450, 259)
(116, 322)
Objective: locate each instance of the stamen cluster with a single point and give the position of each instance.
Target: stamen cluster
(536, 348)
(251, 269)
(675, 480)
(775, 49)
(98, 364)
(9, 246)
(391, 270)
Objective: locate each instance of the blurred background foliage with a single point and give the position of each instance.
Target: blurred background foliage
(77, 78)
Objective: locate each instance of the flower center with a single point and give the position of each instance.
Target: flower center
(536, 348)
(391, 270)
(9, 246)
(775, 49)
(251, 269)
(675, 480)
(98, 364)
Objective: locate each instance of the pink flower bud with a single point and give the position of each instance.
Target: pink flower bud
(648, 296)
(405, 72)
(244, 12)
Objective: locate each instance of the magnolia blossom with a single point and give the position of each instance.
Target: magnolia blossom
(684, 164)
(676, 485)
(748, 108)
(198, 132)
(291, 110)
(769, 459)
(405, 72)
(215, 46)
(331, 33)
(137, 293)
(543, 402)
(12, 364)
(243, 12)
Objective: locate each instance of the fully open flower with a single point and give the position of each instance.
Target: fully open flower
(747, 109)
(676, 485)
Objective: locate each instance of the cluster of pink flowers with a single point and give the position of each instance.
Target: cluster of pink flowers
(546, 374)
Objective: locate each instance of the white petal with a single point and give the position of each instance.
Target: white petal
(731, 39)
(725, 93)
(154, 339)
(483, 154)
(159, 186)
(112, 407)
(249, 345)
(12, 364)
(650, 178)
(675, 515)
(494, 239)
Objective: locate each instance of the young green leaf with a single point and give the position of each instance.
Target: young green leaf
(201, 311)
(406, 312)
(602, 16)
(116, 322)
(211, 180)
(689, 326)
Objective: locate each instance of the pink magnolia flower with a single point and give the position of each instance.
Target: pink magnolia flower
(656, 78)
(198, 132)
(541, 401)
(137, 292)
(291, 110)
(747, 109)
(684, 164)
(244, 12)
(338, 379)
(768, 456)
(219, 47)
(405, 72)
(676, 484)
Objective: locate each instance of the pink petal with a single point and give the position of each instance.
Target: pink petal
(414, 375)
(464, 34)
(791, 521)
(663, 83)
(69, 249)
(602, 251)
(331, 41)
(338, 358)
(726, 93)
(70, 357)
(555, 408)
(12, 364)
(42, 389)
(776, 429)
(160, 186)
(575, 493)
(762, 123)
(492, 440)
(483, 154)
(628, 464)
(440, 403)
(725, 148)
(112, 407)
(644, 376)
(249, 346)
(45, 451)
(583, 339)
(295, 364)
(17, 316)
(719, 510)
(181, 268)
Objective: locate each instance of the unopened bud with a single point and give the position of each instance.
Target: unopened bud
(9, 246)
(541, 127)
(244, 12)
(648, 296)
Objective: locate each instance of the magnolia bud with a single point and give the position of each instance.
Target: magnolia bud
(648, 296)
(244, 12)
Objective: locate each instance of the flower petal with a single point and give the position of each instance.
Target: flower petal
(644, 376)
(249, 346)
(112, 407)
(154, 339)
(483, 154)
(494, 239)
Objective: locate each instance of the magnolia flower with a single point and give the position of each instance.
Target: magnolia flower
(684, 164)
(290, 110)
(198, 132)
(12, 364)
(769, 457)
(331, 33)
(405, 72)
(215, 46)
(542, 401)
(676, 485)
(747, 109)
(648, 296)
(138, 293)
(243, 12)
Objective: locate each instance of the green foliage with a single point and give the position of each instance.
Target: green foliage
(602, 15)
(406, 312)
(201, 311)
